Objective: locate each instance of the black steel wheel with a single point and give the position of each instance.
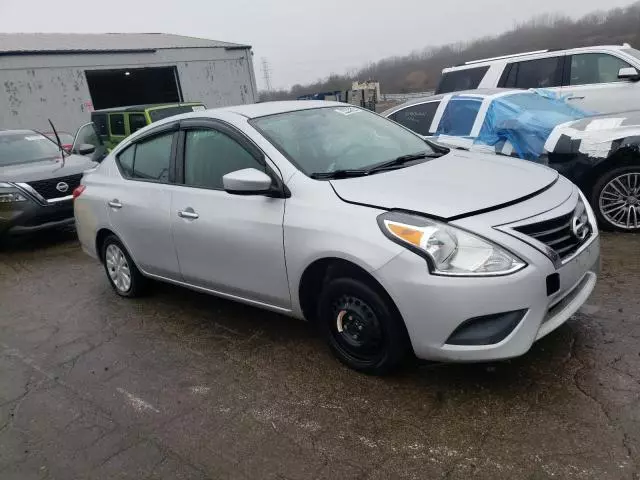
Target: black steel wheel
(362, 326)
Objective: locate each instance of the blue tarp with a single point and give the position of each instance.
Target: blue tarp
(526, 120)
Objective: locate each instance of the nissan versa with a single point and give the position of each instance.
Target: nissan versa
(318, 210)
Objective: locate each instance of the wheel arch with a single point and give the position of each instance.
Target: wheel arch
(629, 155)
(101, 236)
(324, 269)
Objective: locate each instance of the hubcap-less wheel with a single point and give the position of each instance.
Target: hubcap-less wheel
(118, 268)
(620, 201)
(356, 328)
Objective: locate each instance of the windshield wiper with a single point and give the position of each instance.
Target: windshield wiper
(339, 174)
(388, 165)
(401, 160)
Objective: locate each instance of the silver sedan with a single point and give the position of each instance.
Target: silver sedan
(392, 245)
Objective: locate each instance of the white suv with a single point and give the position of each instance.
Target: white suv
(600, 79)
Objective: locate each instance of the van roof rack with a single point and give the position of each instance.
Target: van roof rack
(502, 57)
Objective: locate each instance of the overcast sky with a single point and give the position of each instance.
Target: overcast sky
(302, 40)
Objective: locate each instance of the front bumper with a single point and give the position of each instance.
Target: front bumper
(31, 217)
(433, 307)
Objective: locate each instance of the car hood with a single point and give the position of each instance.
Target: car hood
(455, 185)
(594, 136)
(53, 168)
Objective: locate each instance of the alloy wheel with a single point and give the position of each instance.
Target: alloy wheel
(619, 201)
(118, 268)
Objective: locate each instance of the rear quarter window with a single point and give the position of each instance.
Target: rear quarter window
(116, 124)
(417, 117)
(457, 80)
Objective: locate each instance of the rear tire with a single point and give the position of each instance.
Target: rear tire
(362, 326)
(123, 275)
(616, 199)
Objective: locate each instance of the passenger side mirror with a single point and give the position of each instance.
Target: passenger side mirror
(629, 73)
(248, 181)
(85, 149)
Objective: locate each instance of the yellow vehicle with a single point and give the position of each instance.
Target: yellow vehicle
(115, 124)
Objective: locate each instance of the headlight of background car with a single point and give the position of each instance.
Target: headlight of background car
(9, 194)
(449, 250)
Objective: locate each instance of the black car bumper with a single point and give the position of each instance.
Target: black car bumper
(31, 217)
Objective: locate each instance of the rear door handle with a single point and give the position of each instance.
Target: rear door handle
(576, 98)
(188, 213)
(115, 203)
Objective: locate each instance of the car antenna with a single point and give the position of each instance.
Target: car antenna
(55, 132)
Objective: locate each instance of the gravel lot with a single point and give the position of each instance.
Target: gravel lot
(180, 385)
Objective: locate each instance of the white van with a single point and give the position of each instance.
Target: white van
(599, 79)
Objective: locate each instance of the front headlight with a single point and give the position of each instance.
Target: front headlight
(8, 194)
(12, 197)
(448, 250)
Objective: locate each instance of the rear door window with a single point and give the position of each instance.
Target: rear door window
(540, 73)
(459, 116)
(153, 158)
(417, 117)
(137, 121)
(125, 159)
(457, 80)
(149, 159)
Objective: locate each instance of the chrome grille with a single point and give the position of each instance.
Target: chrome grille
(47, 188)
(559, 233)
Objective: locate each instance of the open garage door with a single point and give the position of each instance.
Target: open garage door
(133, 86)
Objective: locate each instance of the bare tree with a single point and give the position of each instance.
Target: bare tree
(420, 70)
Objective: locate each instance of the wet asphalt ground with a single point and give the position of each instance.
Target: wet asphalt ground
(180, 385)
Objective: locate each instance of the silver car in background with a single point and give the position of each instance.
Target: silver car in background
(393, 246)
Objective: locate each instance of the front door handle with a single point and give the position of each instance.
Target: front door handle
(576, 98)
(188, 213)
(115, 203)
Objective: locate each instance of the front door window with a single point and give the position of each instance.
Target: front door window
(87, 135)
(590, 68)
(210, 154)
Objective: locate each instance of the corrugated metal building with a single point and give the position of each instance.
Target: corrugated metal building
(65, 76)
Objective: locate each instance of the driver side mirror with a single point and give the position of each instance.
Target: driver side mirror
(248, 181)
(85, 149)
(629, 73)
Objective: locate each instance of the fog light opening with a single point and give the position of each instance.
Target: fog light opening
(487, 329)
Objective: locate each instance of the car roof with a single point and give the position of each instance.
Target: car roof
(533, 55)
(264, 109)
(139, 108)
(250, 111)
(17, 132)
(480, 92)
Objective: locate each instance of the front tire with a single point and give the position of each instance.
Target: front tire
(123, 275)
(362, 326)
(616, 199)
